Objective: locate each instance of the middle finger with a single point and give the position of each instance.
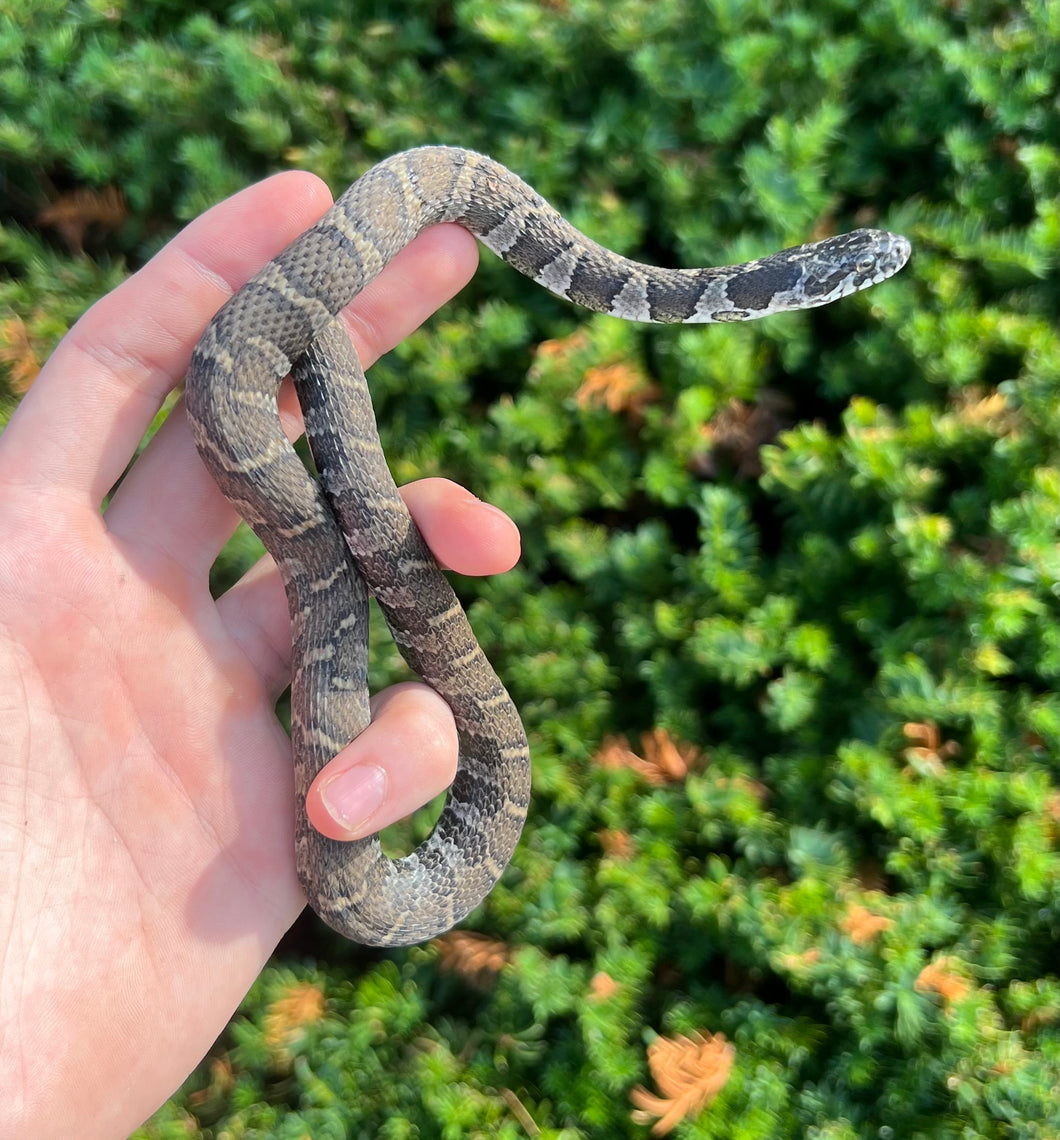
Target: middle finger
(168, 500)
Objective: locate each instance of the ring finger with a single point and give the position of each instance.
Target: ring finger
(465, 535)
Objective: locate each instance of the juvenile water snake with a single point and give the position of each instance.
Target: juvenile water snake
(351, 528)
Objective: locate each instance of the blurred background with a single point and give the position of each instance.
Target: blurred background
(784, 634)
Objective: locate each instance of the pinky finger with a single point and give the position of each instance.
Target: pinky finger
(402, 760)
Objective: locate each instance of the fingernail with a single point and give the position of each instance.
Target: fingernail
(354, 796)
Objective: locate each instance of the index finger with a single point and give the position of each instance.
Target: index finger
(82, 420)
(86, 413)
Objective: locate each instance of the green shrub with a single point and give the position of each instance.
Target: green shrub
(785, 631)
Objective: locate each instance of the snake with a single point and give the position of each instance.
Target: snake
(344, 534)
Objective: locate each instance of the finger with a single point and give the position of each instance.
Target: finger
(405, 757)
(86, 413)
(255, 616)
(168, 499)
(466, 534)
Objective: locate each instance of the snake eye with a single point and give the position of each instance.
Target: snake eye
(865, 265)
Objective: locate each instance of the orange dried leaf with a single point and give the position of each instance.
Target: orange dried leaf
(476, 958)
(617, 844)
(940, 978)
(992, 411)
(18, 353)
(565, 346)
(926, 734)
(620, 387)
(222, 1081)
(988, 409)
(672, 759)
(664, 760)
(602, 986)
(689, 1071)
(300, 1005)
(861, 925)
(614, 752)
(930, 753)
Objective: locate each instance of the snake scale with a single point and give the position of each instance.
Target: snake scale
(333, 537)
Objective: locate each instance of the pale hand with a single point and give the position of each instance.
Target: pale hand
(146, 815)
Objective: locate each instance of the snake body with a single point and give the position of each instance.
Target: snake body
(330, 538)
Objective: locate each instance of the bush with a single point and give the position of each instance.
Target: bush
(785, 631)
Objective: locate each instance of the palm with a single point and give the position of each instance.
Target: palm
(150, 775)
(146, 853)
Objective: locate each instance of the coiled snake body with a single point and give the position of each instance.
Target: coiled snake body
(352, 528)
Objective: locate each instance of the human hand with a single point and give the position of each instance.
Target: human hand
(145, 877)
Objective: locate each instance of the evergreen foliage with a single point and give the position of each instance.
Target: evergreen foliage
(784, 634)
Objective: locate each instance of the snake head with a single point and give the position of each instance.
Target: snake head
(841, 265)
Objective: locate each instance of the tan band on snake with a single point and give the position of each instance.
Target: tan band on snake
(351, 529)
